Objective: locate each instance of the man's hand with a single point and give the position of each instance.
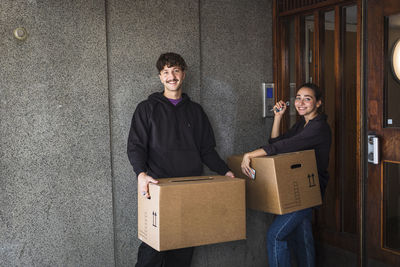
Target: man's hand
(143, 184)
(230, 174)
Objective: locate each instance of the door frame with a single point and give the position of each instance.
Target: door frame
(374, 81)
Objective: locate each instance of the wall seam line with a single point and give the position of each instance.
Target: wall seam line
(200, 57)
(110, 123)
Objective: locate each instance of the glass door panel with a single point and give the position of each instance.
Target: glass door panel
(292, 70)
(349, 117)
(392, 94)
(329, 106)
(309, 41)
(391, 198)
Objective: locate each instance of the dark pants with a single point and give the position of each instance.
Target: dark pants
(149, 257)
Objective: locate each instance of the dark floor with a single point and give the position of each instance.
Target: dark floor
(329, 256)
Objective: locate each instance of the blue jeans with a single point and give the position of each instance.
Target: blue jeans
(291, 230)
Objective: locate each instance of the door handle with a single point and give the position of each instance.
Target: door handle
(373, 149)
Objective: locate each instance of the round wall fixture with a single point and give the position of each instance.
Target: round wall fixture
(396, 60)
(20, 33)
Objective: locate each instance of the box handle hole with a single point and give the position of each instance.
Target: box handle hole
(192, 180)
(295, 166)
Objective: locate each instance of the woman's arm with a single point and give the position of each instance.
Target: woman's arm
(279, 110)
(314, 134)
(246, 169)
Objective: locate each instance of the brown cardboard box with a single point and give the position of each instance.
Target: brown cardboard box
(283, 183)
(192, 211)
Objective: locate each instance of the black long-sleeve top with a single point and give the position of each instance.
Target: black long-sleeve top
(172, 141)
(315, 135)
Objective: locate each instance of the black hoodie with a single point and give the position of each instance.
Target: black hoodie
(172, 141)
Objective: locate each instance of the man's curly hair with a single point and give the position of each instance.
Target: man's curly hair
(170, 60)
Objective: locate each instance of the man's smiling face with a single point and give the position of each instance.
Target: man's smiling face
(172, 78)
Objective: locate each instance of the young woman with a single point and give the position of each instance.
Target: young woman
(310, 132)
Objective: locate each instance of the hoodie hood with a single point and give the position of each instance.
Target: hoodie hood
(159, 97)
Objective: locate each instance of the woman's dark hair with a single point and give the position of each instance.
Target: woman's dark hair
(315, 88)
(170, 60)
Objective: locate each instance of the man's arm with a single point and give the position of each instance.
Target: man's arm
(208, 153)
(138, 139)
(137, 149)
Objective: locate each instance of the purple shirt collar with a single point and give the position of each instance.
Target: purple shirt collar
(175, 101)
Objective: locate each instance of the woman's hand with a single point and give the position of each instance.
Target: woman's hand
(279, 108)
(246, 169)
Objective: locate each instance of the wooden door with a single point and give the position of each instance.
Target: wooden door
(382, 187)
(320, 42)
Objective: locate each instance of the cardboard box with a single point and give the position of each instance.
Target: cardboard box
(283, 183)
(192, 211)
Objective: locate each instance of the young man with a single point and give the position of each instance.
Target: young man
(170, 136)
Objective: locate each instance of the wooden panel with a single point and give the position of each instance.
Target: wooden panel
(346, 182)
(329, 209)
(375, 55)
(319, 44)
(285, 77)
(349, 92)
(291, 7)
(276, 46)
(339, 160)
(325, 232)
(360, 136)
(390, 137)
(299, 50)
(333, 224)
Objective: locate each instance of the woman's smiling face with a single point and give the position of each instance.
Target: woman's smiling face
(306, 103)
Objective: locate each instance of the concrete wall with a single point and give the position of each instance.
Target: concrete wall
(236, 57)
(55, 174)
(67, 94)
(228, 58)
(139, 31)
